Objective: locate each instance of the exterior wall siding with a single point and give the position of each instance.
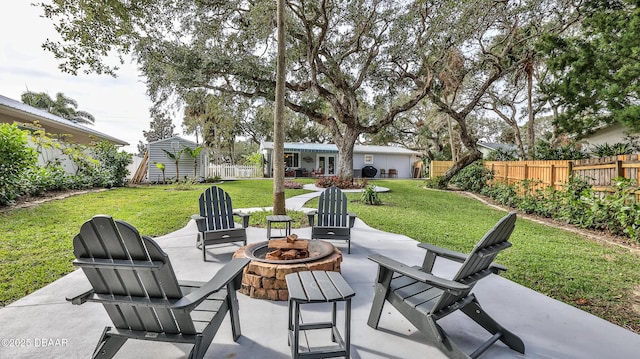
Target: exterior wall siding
(308, 161)
(611, 135)
(403, 164)
(185, 164)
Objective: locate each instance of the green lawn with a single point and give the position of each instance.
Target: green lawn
(36, 248)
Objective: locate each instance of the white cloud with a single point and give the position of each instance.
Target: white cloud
(120, 105)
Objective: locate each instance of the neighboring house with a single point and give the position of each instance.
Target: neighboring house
(15, 111)
(314, 159)
(185, 163)
(609, 134)
(487, 148)
(12, 111)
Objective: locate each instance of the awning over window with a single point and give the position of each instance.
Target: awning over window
(304, 147)
(332, 148)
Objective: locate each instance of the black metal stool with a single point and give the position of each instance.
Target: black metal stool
(318, 287)
(279, 219)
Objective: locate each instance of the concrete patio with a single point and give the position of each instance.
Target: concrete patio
(44, 325)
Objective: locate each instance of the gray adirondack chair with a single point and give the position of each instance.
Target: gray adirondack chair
(216, 220)
(133, 279)
(333, 220)
(423, 298)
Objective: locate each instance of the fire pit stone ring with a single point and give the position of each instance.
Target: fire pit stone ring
(265, 279)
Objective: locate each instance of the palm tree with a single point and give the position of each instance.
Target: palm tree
(176, 159)
(193, 153)
(161, 167)
(62, 106)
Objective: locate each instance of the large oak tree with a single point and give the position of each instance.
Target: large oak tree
(352, 66)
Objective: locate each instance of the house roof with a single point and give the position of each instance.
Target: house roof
(497, 146)
(332, 148)
(174, 138)
(15, 111)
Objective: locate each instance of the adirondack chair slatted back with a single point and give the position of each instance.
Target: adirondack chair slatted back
(215, 206)
(129, 272)
(332, 208)
(477, 264)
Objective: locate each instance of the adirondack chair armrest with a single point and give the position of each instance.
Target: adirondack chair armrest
(311, 216)
(81, 298)
(224, 276)
(457, 256)
(443, 252)
(497, 268)
(200, 222)
(244, 217)
(417, 274)
(352, 219)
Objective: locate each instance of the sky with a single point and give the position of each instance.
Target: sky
(120, 105)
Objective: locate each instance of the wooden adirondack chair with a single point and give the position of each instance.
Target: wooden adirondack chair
(423, 298)
(216, 220)
(133, 279)
(334, 222)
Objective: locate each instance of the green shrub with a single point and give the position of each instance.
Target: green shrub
(370, 196)
(502, 193)
(16, 157)
(502, 154)
(185, 184)
(616, 149)
(577, 203)
(112, 164)
(436, 182)
(472, 178)
(531, 197)
(546, 151)
(35, 181)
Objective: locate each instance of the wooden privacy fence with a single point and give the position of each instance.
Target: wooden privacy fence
(233, 171)
(598, 172)
(543, 173)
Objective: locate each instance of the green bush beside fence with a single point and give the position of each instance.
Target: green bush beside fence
(576, 203)
(100, 165)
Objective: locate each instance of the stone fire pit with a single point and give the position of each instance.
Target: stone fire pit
(264, 279)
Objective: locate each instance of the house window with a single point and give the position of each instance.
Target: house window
(368, 159)
(292, 159)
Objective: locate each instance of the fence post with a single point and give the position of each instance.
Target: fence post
(506, 173)
(552, 180)
(619, 169)
(493, 172)
(526, 171)
(570, 170)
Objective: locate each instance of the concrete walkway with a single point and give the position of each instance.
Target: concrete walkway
(44, 325)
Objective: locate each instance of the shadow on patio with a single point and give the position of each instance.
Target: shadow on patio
(43, 324)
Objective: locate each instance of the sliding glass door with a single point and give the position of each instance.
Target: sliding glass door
(328, 164)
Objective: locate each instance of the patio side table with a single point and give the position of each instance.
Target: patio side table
(279, 219)
(318, 287)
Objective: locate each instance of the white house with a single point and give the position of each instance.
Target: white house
(25, 116)
(313, 159)
(185, 162)
(609, 134)
(12, 111)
